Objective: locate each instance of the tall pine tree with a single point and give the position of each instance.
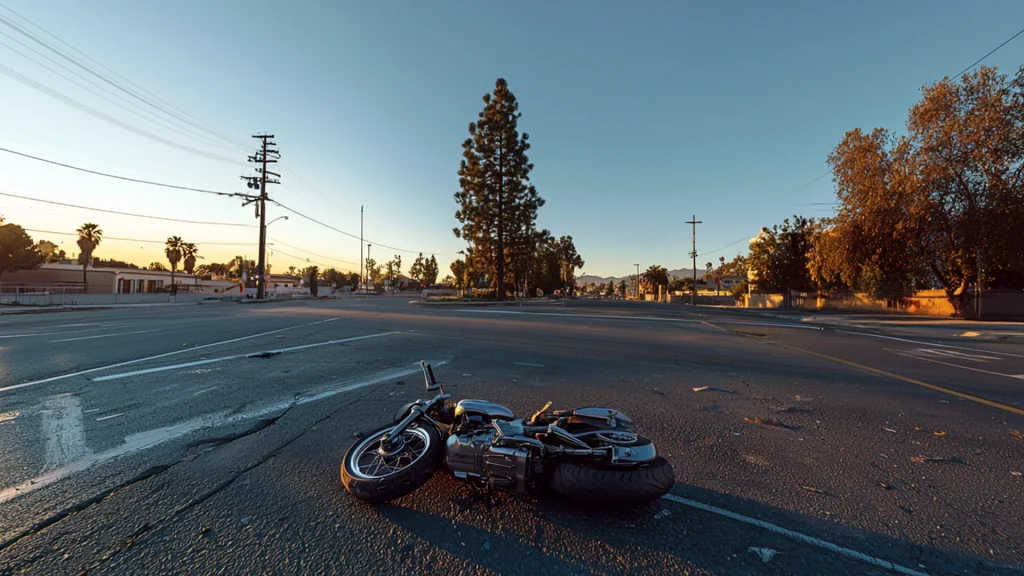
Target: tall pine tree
(497, 203)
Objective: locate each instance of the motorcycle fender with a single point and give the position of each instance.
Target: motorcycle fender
(404, 410)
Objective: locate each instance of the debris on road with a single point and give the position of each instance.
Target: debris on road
(1015, 473)
(935, 432)
(400, 383)
(662, 514)
(813, 490)
(712, 389)
(658, 392)
(766, 554)
(768, 422)
(886, 486)
(889, 430)
(1016, 434)
(936, 460)
(487, 545)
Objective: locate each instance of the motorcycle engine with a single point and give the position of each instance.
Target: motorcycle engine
(472, 457)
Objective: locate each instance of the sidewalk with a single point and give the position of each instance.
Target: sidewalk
(12, 310)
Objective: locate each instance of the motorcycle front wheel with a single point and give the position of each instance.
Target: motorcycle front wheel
(377, 473)
(613, 485)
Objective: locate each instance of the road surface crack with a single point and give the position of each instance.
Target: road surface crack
(149, 527)
(138, 478)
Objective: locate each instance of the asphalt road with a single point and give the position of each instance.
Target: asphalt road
(207, 439)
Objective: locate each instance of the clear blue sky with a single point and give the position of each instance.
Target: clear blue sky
(640, 114)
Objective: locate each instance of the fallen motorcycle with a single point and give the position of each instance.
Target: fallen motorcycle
(591, 454)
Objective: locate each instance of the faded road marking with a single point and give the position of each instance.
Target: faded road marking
(942, 389)
(150, 438)
(102, 418)
(164, 355)
(834, 548)
(528, 364)
(236, 357)
(62, 429)
(105, 335)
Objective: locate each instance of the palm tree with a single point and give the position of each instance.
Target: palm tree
(173, 252)
(654, 276)
(89, 237)
(190, 252)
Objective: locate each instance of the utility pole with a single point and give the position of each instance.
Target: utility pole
(361, 282)
(368, 272)
(262, 157)
(636, 282)
(693, 254)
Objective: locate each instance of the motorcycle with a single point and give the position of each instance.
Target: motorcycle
(591, 454)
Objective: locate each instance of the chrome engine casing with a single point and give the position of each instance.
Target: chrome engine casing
(473, 457)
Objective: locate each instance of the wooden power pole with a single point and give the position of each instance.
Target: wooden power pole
(693, 254)
(265, 155)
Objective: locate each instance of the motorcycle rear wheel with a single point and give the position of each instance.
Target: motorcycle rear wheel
(375, 478)
(613, 485)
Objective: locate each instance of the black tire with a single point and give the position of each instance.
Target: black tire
(398, 484)
(613, 485)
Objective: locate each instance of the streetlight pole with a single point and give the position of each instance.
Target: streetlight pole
(636, 282)
(365, 287)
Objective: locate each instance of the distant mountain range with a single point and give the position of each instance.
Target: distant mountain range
(682, 273)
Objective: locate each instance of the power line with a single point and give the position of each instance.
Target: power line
(115, 176)
(994, 50)
(312, 253)
(124, 213)
(182, 117)
(57, 95)
(338, 230)
(149, 117)
(299, 258)
(730, 245)
(55, 233)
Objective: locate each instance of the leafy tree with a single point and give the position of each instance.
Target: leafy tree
(189, 254)
(779, 256)
(738, 266)
(50, 251)
(101, 263)
(430, 271)
(17, 252)
(654, 277)
(570, 261)
(394, 270)
(157, 267)
(374, 271)
(89, 238)
(622, 288)
(172, 249)
(459, 269)
(311, 273)
(497, 203)
(292, 270)
(609, 290)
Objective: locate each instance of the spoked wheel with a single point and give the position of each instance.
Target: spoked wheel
(378, 471)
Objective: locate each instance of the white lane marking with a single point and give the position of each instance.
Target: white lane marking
(916, 357)
(106, 335)
(90, 411)
(834, 548)
(62, 430)
(30, 334)
(952, 355)
(928, 343)
(164, 355)
(655, 318)
(235, 357)
(102, 418)
(205, 390)
(528, 364)
(150, 438)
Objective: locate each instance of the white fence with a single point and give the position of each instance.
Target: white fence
(58, 297)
